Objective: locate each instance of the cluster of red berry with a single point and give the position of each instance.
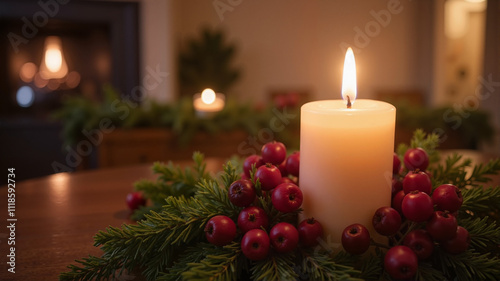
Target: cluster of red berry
(430, 215)
(277, 175)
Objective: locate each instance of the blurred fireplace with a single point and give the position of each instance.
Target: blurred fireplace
(100, 45)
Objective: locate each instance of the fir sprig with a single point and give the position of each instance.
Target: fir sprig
(480, 202)
(274, 267)
(454, 170)
(429, 142)
(318, 265)
(485, 234)
(218, 264)
(469, 265)
(172, 181)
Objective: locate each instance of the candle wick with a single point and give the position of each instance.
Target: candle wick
(349, 102)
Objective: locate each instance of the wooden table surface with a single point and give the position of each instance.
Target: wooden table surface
(58, 215)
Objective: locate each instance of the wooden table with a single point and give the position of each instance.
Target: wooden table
(58, 215)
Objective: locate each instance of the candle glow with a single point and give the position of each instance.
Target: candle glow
(208, 96)
(349, 77)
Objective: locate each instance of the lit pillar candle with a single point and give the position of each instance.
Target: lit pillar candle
(346, 154)
(208, 103)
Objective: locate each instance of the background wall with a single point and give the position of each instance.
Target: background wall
(294, 44)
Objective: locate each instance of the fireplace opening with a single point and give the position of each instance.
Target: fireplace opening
(54, 49)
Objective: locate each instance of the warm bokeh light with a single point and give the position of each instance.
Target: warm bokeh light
(53, 63)
(208, 96)
(73, 79)
(349, 77)
(39, 81)
(27, 72)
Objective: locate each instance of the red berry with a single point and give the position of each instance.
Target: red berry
(310, 230)
(250, 161)
(442, 226)
(282, 168)
(416, 158)
(220, 230)
(420, 242)
(386, 221)
(135, 200)
(273, 152)
(401, 262)
(397, 185)
(447, 197)
(356, 239)
(284, 237)
(397, 200)
(286, 197)
(417, 180)
(241, 193)
(396, 164)
(269, 176)
(293, 164)
(255, 244)
(417, 206)
(287, 180)
(251, 218)
(459, 244)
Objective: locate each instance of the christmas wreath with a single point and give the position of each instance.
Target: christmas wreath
(189, 230)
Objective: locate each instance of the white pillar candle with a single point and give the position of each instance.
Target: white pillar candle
(346, 159)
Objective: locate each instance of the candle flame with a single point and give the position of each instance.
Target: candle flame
(208, 96)
(53, 62)
(349, 78)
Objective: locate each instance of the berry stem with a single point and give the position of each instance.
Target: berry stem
(409, 226)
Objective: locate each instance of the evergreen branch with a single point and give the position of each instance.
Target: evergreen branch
(454, 171)
(219, 263)
(318, 265)
(484, 233)
(479, 201)
(372, 266)
(469, 265)
(274, 267)
(429, 142)
(152, 242)
(481, 171)
(192, 254)
(426, 272)
(92, 268)
(172, 181)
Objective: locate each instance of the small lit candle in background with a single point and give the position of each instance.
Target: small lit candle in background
(208, 103)
(346, 154)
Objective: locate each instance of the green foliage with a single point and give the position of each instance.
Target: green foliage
(318, 265)
(78, 114)
(469, 265)
(471, 127)
(206, 62)
(218, 263)
(169, 244)
(274, 267)
(454, 170)
(429, 142)
(481, 202)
